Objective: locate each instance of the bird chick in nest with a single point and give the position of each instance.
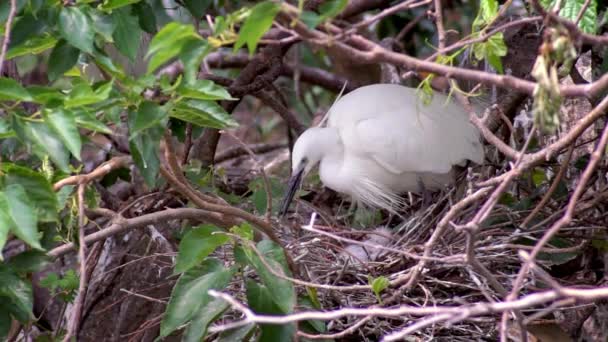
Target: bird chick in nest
(370, 249)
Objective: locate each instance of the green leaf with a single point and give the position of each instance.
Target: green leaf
(204, 90)
(19, 213)
(378, 285)
(89, 121)
(76, 28)
(34, 45)
(6, 130)
(37, 187)
(245, 231)
(5, 8)
(311, 19)
(63, 57)
(203, 113)
(48, 96)
(16, 295)
(190, 295)
(492, 50)
(82, 94)
(539, 176)
(144, 149)
(63, 123)
(5, 324)
(192, 54)
(198, 327)
(127, 34)
(168, 43)
(239, 334)
(46, 143)
(11, 90)
(282, 291)
(197, 7)
(103, 24)
(109, 5)
(65, 286)
(260, 300)
(332, 8)
(145, 16)
(28, 261)
(148, 114)
(259, 195)
(257, 23)
(196, 245)
(588, 22)
(5, 223)
(107, 64)
(26, 27)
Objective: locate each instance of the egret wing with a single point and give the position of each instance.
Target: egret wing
(415, 138)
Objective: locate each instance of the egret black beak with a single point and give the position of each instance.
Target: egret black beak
(292, 187)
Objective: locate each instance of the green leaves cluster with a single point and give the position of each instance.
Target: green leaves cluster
(494, 47)
(199, 272)
(92, 50)
(570, 10)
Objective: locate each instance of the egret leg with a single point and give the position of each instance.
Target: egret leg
(426, 195)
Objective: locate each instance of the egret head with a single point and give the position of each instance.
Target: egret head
(309, 149)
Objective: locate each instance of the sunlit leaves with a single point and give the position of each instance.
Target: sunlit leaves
(76, 27)
(168, 43)
(378, 285)
(570, 10)
(203, 90)
(203, 113)
(83, 94)
(492, 50)
(257, 23)
(494, 47)
(193, 52)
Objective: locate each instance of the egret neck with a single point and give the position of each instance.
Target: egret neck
(316, 145)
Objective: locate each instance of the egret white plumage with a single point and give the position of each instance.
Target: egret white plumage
(382, 141)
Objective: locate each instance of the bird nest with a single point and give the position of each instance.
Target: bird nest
(435, 261)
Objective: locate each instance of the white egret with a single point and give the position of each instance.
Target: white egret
(382, 141)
